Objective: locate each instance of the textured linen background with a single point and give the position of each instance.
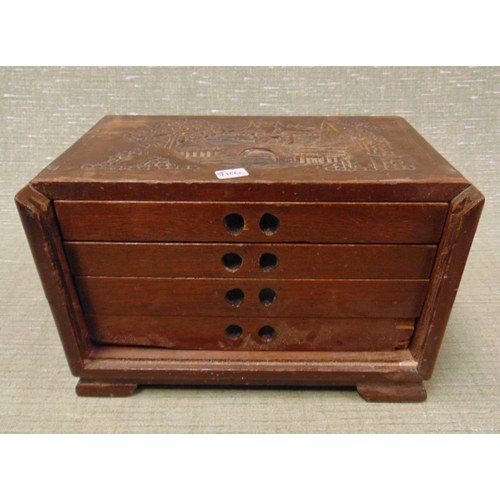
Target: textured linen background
(44, 110)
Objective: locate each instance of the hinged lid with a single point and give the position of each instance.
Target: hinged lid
(286, 158)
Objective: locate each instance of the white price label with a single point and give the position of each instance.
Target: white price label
(231, 173)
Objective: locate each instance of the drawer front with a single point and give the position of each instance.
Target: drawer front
(293, 261)
(251, 297)
(250, 334)
(256, 222)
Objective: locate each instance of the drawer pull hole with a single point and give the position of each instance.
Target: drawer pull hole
(232, 261)
(235, 297)
(267, 296)
(266, 333)
(234, 223)
(268, 261)
(269, 223)
(234, 332)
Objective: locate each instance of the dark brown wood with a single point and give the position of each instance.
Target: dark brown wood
(252, 367)
(294, 298)
(288, 159)
(256, 191)
(41, 229)
(250, 334)
(94, 388)
(355, 214)
(392, 392)
(453, 251)
(217, 260)
(298, 222)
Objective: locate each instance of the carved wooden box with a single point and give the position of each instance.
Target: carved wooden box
(311, 251)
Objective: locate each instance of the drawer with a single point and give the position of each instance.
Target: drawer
(250, 334)
(251, 297)
(209, 260)
(255, 222)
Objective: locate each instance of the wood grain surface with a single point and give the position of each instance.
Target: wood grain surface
(297, 222)
(271, 261)
(250, 334)
(213, 297)
(286, 158)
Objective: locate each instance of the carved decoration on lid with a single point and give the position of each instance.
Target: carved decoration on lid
(337, 144)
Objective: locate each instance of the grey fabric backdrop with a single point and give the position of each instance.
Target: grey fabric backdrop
(44, 110)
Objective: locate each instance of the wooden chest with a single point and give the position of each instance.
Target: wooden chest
(301, 251)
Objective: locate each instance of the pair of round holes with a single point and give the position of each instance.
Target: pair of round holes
(235, 297)
(232, 261)
(266, 333)
(235, 223)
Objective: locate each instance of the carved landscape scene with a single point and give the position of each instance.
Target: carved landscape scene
(335, 144)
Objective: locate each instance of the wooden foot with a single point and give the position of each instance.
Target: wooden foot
(392, 393)
(93, 388)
